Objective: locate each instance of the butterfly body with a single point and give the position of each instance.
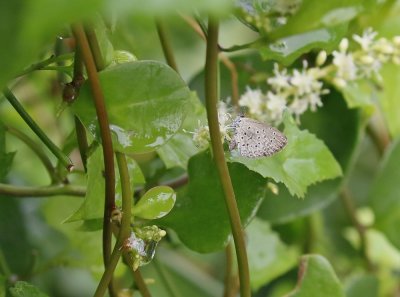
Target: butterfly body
(254, 139)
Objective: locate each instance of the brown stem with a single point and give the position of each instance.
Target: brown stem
(108, 154)
(211, 94)
(166, 45)
(348, 204)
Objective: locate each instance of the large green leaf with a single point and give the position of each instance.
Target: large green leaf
(27, 26)
(388, 98)
(339, 128)
(146, 103)
(268, 256)
(92, 208)
(200, 217)
(24, 289)
(316, 278)
(286, 50)
(362, 285)
(304, 161)
(315, 14)
(177, 151)
(384, 195)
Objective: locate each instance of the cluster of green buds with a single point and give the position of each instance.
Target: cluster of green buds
(141, 244)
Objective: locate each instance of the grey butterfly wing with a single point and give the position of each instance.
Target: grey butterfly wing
(254, 139)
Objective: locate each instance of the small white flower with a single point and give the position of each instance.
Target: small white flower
(253, 100)
(344, 45)
(276, 105)
(303, 81)
(314, 100)
(298, 107)
(201, 136)
(280, 80)
(344, 62)
(366, 40)
(321, 58)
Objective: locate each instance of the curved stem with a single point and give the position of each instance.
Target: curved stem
(380, 139)
(224, 59)
(37, 149)
(234, 80)
(166, 45)
(82, 141)
(125, 229)
(230, 285)
(20, 191)
(348, 204)
(94, 47)
(44, 63)
(211, 92)
(108, 155)
(170, 287)
(36, 129)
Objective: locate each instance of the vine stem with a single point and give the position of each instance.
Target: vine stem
(211, 94)
(125, 229)
(41, 65)
(37, 149)
(36, 129)
(108, 155)
(348, 204)
(166, 45)
(225, 59)
(18, 191)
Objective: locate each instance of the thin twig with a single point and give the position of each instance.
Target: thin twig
(44, 63)
(24, 191)
(230, 281)
(105, 133)
(125, 229)
(36, 129)
(211, 92)
(170, 287)
(348, 204)
(224, 59)
(37, 149)
(166, 45)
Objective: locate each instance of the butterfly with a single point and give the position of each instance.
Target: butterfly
(254, 139)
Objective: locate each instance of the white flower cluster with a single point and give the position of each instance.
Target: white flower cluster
(300, 90)
(296, 91)
(201, 136)
(366, 61)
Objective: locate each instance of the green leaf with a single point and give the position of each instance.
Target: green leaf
(162, 7)
(362, 285)
(200, 217)
(304, 161)
(136, 178)
(24, 289)
(268, 256)
(286, 50)
(177, 151)
(3, 280)
(316, 278)
(388, 97)
(155, 203)
(384, 195)
(93, 205)
(359, 94)
(5, 158)
(146, 103)
(342, 137)
(314, 14)
(29, 25)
